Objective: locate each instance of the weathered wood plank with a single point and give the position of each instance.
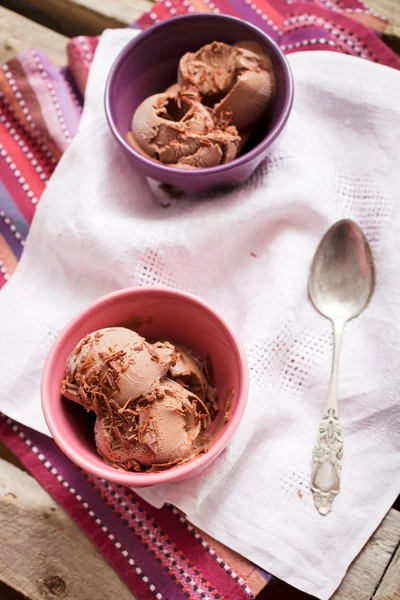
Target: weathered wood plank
(389, 9)
(81, 17)
(124, 12)
(389, 588)
(368, 568)
(18, 33)
(43, 554)
(91, 17)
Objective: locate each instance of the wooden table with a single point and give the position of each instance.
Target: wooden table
(46, 24)
(43, 554)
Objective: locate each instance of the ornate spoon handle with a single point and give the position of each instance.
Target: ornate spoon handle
(328, 451)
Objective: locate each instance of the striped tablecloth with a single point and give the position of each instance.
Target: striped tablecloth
(156, 552)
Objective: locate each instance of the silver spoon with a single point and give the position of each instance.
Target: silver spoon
(341, 283)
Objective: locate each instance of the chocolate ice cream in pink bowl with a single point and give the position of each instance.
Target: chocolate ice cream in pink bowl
(196, 101)
(144, 317)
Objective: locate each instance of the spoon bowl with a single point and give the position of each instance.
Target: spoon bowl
(342, 273)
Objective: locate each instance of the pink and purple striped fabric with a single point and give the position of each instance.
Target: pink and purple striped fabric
(156, 552)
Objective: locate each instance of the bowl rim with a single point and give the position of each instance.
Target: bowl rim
(248, 156)
(129, 478)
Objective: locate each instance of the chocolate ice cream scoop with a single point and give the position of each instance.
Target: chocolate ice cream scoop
(113, 365)
(214, 68)
(233, 80)
(176, 129)
(164, 434)
(154, 403)
(247, 100)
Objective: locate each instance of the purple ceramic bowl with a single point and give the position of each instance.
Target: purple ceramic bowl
(149, 64)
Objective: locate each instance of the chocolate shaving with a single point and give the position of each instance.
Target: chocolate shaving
(143, 428)
(202, 415)
(188, 94)
(121, 410)
(109, 380)
(66, 386)
(107, 403)
(115, 405)
(119, 436)
(115, 368)
(207, 412)
(152, 352)
(113, 355)
(95, 405)
(207, 368)
(179, 411)
(212, 401)
(81, 344)
(83, 394)
(150, 447)
(162, 466)
(72, 386)
(223, 120)
(117, 355)
(132, 412)
(228, 402)
(87, 362)
(157, 434)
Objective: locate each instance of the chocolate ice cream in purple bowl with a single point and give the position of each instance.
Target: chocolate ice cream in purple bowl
(197, 101)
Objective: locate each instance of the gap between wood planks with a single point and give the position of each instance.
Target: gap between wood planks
(80, 17)
(47, 24)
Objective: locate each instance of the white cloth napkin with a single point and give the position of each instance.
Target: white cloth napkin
(101, 226)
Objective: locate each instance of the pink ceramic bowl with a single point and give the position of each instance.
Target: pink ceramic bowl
(158, 313)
